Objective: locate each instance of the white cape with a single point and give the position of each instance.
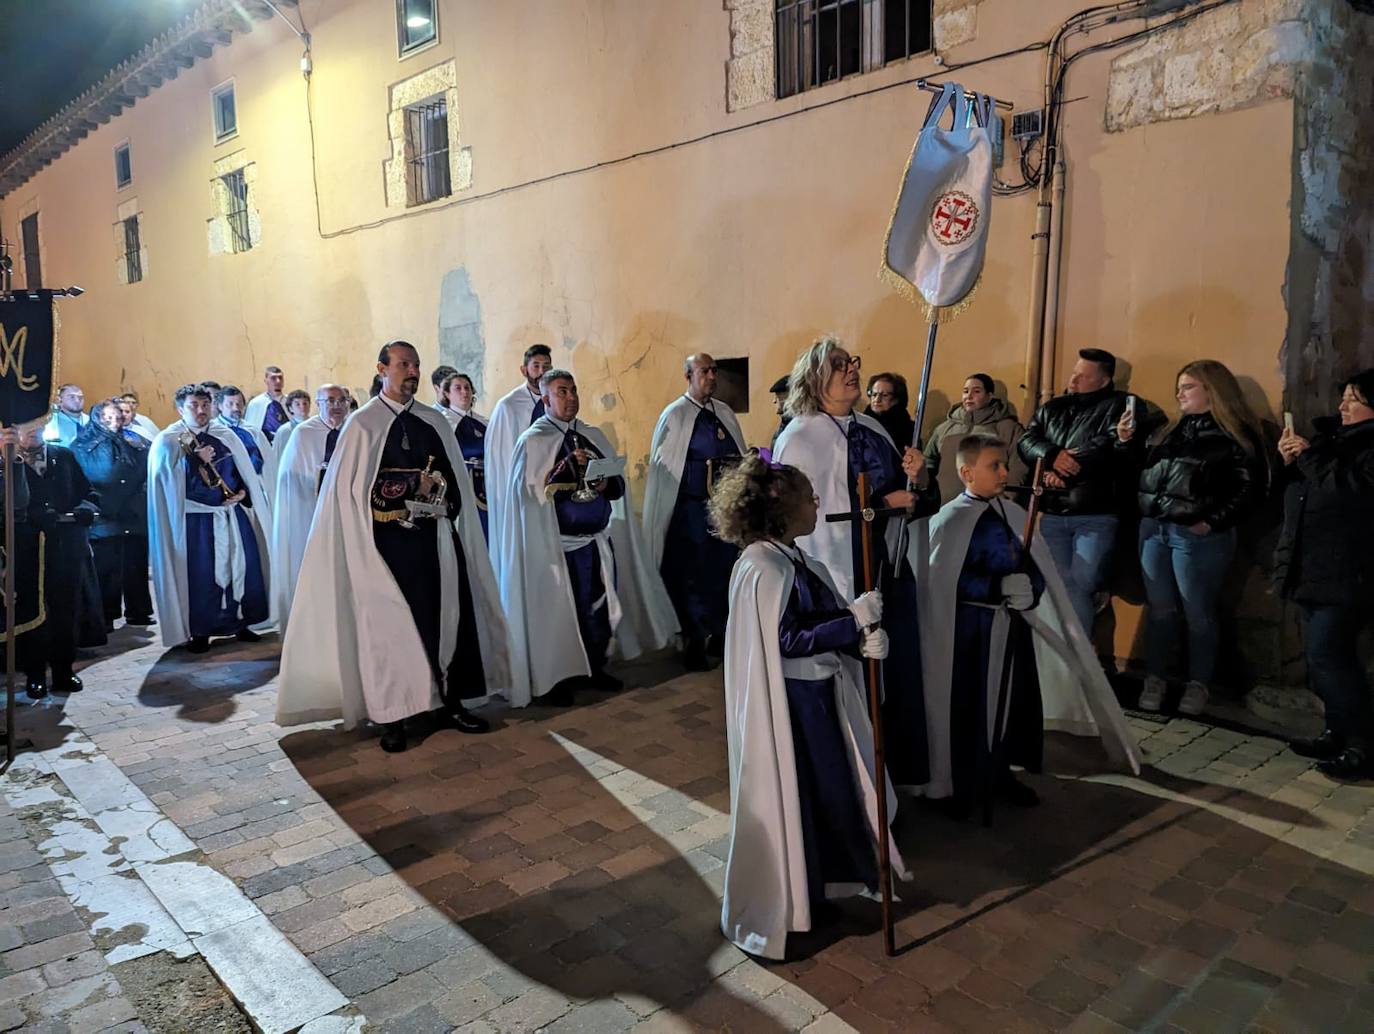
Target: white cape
(1073, 689)
(268, 451)
(143, 427)
(667, 455)
(509, 420)
(816, 446)
(298, 478)
(536, 592)
(765, 873)
(256, 411)
(352, 649)
(167, 524)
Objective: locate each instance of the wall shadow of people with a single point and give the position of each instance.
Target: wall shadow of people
(203, 686)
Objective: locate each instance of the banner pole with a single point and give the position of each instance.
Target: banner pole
(11, 733)
(924, 390)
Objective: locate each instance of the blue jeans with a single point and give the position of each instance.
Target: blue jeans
(1183, 573)
(1081, 547)
(1331, 637)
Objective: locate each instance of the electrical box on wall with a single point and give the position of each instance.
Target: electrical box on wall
(1027, 125)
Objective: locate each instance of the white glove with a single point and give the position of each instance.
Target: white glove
(867, 609)
(1017, 591)
(874, 645)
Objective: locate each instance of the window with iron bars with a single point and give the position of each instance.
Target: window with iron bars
(821, 41)
(427, 145)
(33, 268)
(236, 210)
(133, 264)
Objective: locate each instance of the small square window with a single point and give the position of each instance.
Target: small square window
(732, 383)
(124, 166)
(417, 24)
(225, 111)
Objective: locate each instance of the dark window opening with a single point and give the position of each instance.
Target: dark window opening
(236, 211)
(33, 268)
(427, 145)
(124, 168)
(417, 23)
(732, 383)
(133, 263)
(820, 41)
(226, 113)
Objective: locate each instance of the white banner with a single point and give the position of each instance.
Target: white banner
(938, 232)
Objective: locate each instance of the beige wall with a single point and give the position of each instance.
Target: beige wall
(748, 243)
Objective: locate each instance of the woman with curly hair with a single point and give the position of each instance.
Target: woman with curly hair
(803, 809)
(832, 445)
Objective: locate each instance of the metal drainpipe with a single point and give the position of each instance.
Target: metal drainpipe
(1039, 264)
(1050, 322)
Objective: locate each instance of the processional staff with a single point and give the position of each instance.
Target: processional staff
(865, 516)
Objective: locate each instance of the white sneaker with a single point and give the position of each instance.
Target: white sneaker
(1194, 699)
(1152, 696)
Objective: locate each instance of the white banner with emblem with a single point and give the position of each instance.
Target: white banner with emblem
(936, 239)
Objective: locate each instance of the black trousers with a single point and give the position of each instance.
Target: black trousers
(121, 564)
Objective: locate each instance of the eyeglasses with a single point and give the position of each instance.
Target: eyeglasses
(880, 395)
(841, 364)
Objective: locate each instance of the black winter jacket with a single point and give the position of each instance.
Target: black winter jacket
(1086, 424)
(1325, 553)
(118, 469)
(1200, 473)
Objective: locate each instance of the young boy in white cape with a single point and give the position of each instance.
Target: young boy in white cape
(979, 599)
(803, 810)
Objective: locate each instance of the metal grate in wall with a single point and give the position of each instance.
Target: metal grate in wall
(427, 145)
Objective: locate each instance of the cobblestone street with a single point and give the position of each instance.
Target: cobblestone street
(563, 873)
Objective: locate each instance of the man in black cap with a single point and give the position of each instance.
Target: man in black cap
(779, 389)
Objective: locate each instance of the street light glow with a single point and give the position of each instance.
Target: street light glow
(416, 21)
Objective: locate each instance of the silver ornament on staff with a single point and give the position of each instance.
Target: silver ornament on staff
(584, 493)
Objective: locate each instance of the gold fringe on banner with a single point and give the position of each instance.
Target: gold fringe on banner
(933, 313)
(42, 615)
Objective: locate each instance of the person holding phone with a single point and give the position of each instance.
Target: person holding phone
(1203, 473)
(1324, 562)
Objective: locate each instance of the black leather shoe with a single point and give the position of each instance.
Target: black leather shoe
(561, 695)
(37, 688)
(141, 621)
(247, 635)
(198, 644)
(66, 684)
(394, 737)
(1351, 763)
(464, 721)
(694, 656)
(1323, 748)
(606, 682)
(1015, 792)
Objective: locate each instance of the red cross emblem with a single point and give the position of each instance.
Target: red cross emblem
(954, 217)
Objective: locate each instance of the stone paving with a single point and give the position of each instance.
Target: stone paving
(563, 873)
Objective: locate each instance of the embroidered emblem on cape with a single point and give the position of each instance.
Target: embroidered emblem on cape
(954, 217)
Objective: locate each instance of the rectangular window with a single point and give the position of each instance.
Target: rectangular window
(236, 210)
(427, 147)
(33, 268)
(133, 263)
(225, 112)
(821, 41)
(417, 24)
(732, 383)
(124, 166)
